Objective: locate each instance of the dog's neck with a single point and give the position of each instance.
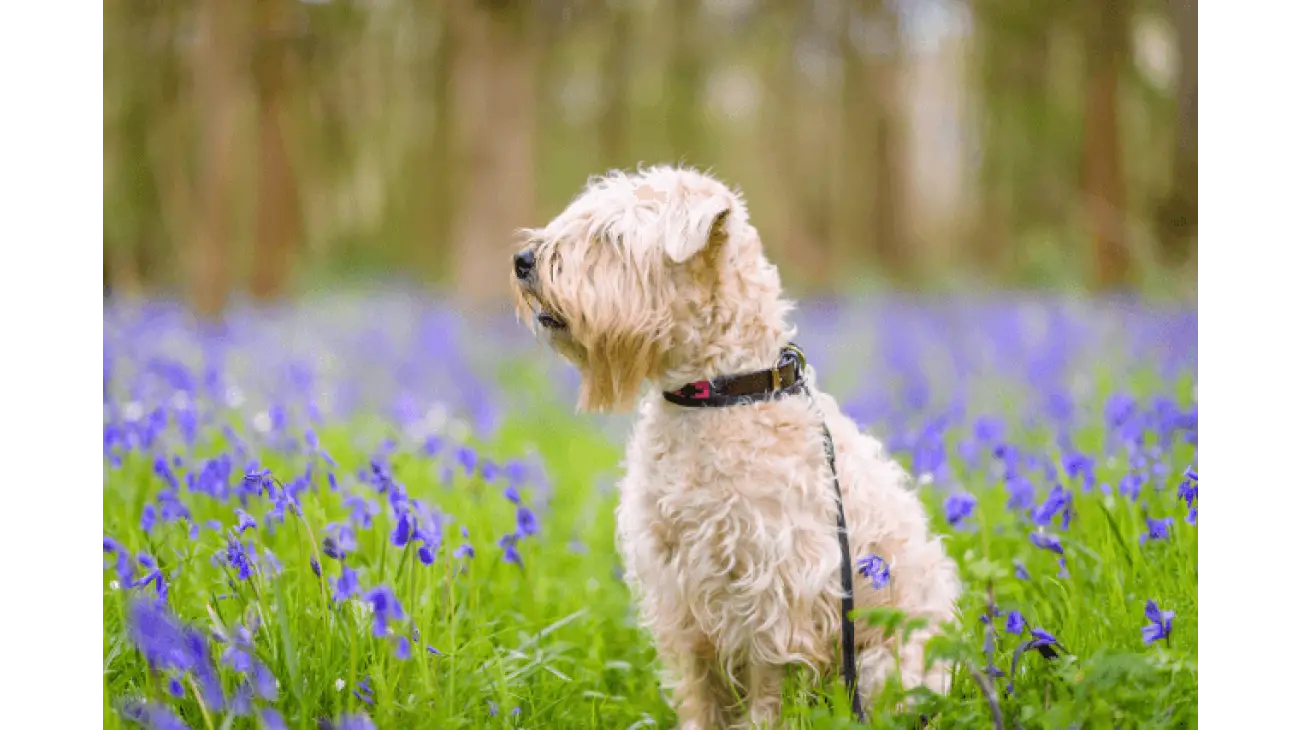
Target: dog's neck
(738, 347)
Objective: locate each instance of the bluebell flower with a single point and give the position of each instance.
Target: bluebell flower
(339, 540)
(363, 691)
(168, 644)
(1130, 485)
(433, 650)
(272, 719)
(1162, 623)
(264, 683)
(402, 531)
(510, 552)
(175, 688)
(1020, 492)
(1189, 487)
(512, 494)
(353, 721)
(874, 567)
(1015, 623)
(241, 703)
(957, 507)
(148, 517)
(1063, 573)
(1046, 541)
(1156, 529)
(245, 521)
(403, 648)
(1020, 571)
(1192, 515)
(1058, 499)
(240, 557)
(1041, 638)
(347, 585)
(315, 566)
(464, 551)
(361, 511)
(386, 608)
(493, 710)
(121, 560)
(153, 716)
(526, 520)
(467, 459)
(489, 470)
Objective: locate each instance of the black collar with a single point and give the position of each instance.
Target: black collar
(783, 378)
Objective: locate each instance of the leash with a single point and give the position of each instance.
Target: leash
(786, 377)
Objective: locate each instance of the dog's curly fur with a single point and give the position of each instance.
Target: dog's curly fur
(726, 520)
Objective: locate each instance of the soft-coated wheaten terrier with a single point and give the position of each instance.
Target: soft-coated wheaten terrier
(727, 520)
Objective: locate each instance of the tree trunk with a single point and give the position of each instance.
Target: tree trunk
(279, 216)
(682, 83)
(612, 127)
(1103, 174)
(216, 86)
(888, 187)
(496, 109)
(1177, 214)
(435, 188)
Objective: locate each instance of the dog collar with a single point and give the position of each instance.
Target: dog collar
(783, 378)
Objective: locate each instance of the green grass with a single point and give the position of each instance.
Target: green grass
(557, 637)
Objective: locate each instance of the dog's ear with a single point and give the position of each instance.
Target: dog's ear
(692, 222)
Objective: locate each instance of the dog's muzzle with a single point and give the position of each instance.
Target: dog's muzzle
(525, 264)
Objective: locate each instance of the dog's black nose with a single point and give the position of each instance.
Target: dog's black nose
(524, 261)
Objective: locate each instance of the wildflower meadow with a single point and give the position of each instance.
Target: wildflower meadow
(363, 511)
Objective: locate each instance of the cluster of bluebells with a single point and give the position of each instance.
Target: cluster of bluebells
(238, 423)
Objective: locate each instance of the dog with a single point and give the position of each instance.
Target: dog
(727, 519)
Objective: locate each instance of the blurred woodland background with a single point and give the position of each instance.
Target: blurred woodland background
(264, 148)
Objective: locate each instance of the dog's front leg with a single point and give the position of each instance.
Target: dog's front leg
(702, 697)
(762, 697)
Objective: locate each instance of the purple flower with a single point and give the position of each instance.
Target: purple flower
(874, 567)
(121, 560)
(1021, 572)
(403, 648)
(465, 550)
(272, 719)
(1063, 573)
(175, 688)
(1015, 623)
(315, 566)
(1057, 500)
(1157, 529)
(363, 691)
(154, 716)
(957, 507)
(511, 553)
(339, 540)
(148, 518)
(512, 493)
(245, 521)
(1078, 466)
(1046, 541)
(168, 644)
(526, 521)
(1130, 485)
(1192, 515)
(466, 457)
(240, 557)
(1020, 492)
(1162, 623)
(346, 586)
(1041, 638)
(402, 532)
(353, 721)
(386, 608)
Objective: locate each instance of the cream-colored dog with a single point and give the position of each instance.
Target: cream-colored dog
(727, 516)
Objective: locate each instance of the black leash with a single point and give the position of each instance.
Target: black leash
(782, 379)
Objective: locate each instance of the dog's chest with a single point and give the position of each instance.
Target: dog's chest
(736, 520)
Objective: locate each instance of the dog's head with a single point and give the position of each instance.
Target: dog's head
(640, 274)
